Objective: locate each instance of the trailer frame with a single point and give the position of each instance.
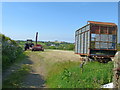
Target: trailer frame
(102, 29)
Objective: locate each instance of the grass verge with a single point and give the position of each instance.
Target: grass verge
(70, 75)
(15, 79)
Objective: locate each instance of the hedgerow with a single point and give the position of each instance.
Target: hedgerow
(10, 51)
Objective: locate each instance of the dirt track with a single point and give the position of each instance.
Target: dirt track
(41, 62)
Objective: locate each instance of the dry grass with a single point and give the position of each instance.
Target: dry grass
(59, 56)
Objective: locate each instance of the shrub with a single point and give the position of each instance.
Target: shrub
(10, 51)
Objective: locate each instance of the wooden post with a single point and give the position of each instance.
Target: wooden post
(116, 77)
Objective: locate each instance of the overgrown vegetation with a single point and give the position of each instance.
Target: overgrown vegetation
(62, 74)
(118, 46)
(16, 78)
(70, 75)
(11, 51)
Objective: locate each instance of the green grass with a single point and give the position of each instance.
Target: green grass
(118, 47)
(70, 75)
(20, 58)
(15, 79)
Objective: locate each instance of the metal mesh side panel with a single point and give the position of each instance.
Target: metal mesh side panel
(97, 45)
(81, 43)
(88, 41)
(76, 42)
(103, 45)
(104, 37)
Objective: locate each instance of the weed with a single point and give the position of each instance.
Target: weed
(69, 75)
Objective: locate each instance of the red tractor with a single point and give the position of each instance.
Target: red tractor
(36, 47)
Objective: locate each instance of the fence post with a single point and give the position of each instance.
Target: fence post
(116, 71)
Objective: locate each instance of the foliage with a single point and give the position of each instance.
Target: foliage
(118, 46)
(10, 51)
(16, 78)
(70, 75)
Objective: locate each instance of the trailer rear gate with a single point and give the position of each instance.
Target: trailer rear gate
(96, 39)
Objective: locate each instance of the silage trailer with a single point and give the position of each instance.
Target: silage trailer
(96, 41)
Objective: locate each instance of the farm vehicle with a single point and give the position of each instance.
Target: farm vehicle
(30, 46)
(96, 41)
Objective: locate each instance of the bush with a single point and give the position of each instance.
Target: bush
(10, 51)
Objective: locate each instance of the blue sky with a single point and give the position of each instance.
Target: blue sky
(53, 20)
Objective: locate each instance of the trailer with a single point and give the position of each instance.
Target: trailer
(96, 41)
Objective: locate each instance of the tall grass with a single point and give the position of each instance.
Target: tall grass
(70, 75)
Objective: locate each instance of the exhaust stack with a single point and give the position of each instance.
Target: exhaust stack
(36, 37)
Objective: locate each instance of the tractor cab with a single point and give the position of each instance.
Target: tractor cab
(28, 44)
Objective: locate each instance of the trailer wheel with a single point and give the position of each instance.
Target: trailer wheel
(104, 60)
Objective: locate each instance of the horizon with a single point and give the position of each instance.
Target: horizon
(47, 41)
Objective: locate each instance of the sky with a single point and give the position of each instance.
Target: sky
(53, 20)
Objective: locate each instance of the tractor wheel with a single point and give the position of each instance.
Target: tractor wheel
(25, 48)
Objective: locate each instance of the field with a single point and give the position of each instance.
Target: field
(41, 63)
(51, 45)
(50, 69)
(58, 69)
